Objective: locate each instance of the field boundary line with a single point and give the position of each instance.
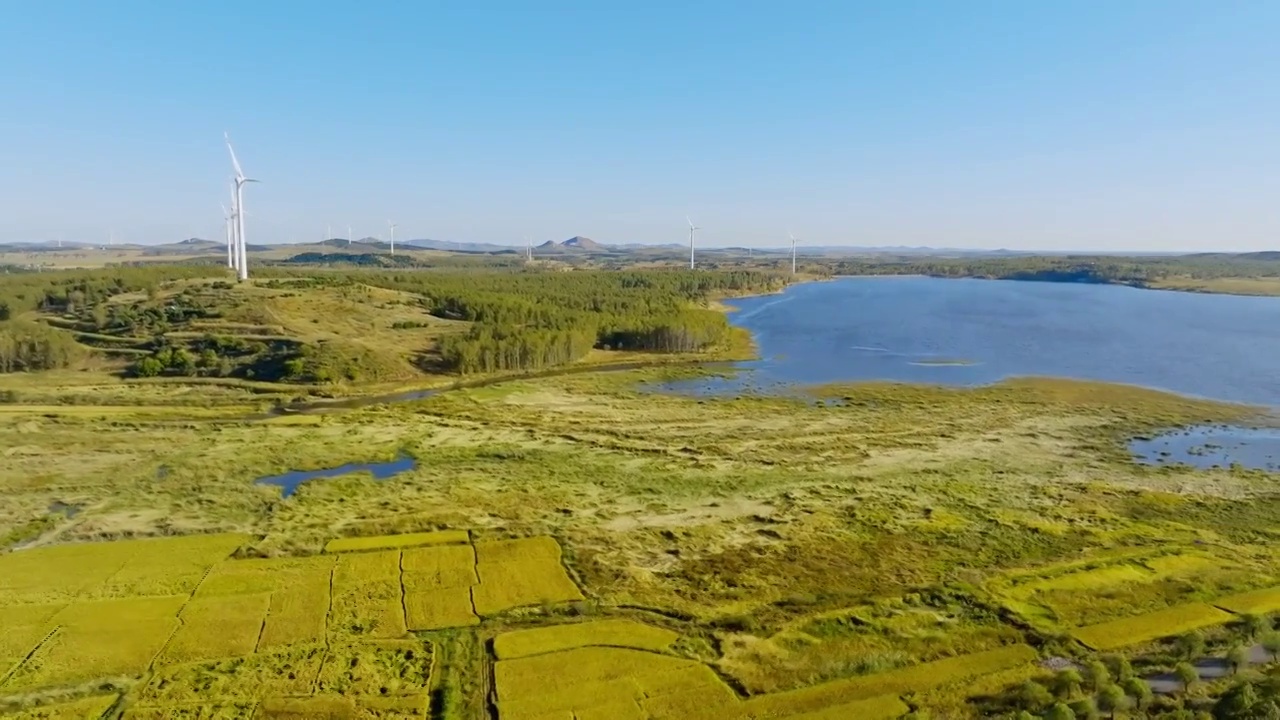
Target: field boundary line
(404, 608)
(9, 673)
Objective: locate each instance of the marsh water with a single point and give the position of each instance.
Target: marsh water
(289, 482)
(1216, 446)
(972, 332)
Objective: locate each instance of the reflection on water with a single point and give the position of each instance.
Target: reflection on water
(289, 481)
(1212, 446)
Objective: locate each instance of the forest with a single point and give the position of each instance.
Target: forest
(520, 319)
(534, 320)
(1135, 271)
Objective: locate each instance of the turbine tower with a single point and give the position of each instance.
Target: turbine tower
(793, 252)
(692, 229)
(235, 233)
(350, 236)
(528, 248)
(240, 182)
(228, 219)
(393, 236)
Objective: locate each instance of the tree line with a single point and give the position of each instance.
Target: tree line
(1136, 271)
(526, 320)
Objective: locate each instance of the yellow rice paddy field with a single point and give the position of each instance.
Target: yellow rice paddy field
(351, 635)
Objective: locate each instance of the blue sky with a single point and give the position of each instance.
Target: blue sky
(1081, 124)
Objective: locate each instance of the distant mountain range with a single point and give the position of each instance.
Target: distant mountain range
(583, 245)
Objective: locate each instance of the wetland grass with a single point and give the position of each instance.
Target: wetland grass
(848, 552)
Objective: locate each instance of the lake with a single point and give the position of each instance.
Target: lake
(972, 332)
(289, 482)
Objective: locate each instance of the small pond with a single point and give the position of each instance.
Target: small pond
(289, 482)
(1212, 446)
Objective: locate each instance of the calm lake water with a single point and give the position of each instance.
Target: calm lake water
(971, 332)
(290, 481)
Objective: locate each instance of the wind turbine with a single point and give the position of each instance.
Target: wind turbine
(350, 236)
(692, 229)
(528, 248)
(229, 222)
(393, 236)
(793, 252)
(240, 181)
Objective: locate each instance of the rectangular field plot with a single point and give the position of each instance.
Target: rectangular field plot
(437, 609)
(884, 707)
(574, 671)
(89, 708)
(539, 547)
(168, 566)
(298, 614)
(1262, 601)
(22, 627)
(515, 573)
(823, 697)
(215, 628)
(58, 573)
(434, 568)
(259, 575)
(386, 667)
(229, 710)
(289, 671)
(78, 654)
(616, 633)
(1151, 626)
(591, 681)
(298, 587)
(390, 542)
(306, 708)
(367, 596)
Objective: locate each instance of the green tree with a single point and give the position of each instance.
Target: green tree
(1254, 624)
(1123, 670)
(148, 367)
(1190, 645)
(1112, 699)
(1097, 675)
(1085, 707)
(1271, 643)
(1186, 674)
(1237, 703)
(1034, 696)
(1238, 657)
(1060, 711)
(1139, 690)
(1066, 684)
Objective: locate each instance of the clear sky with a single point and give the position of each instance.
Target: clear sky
(1076, 124)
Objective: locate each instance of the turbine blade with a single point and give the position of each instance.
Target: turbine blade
(234, 162)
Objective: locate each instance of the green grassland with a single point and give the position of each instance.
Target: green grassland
(580, 545)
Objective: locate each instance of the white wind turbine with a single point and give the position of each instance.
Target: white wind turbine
(393, 236)
(692, 229)
(350, 236)
(528, 248)
(793, 252)
(240, 181)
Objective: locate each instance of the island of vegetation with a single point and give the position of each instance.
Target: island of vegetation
(564, 539)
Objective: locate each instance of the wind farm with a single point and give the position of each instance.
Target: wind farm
(956, 402)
